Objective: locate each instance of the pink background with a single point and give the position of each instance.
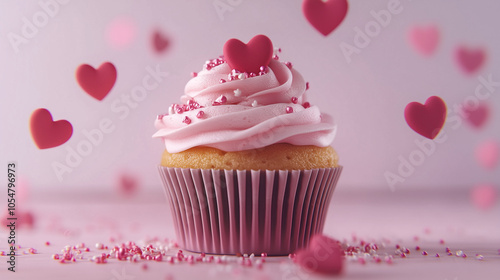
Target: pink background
(366, 96)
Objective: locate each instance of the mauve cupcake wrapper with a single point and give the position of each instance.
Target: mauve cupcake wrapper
(248, 211)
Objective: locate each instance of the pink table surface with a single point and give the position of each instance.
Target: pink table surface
(406, 218)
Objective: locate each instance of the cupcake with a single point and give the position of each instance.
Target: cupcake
(247, 166)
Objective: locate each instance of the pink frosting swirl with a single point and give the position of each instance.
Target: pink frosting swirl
(245, 113)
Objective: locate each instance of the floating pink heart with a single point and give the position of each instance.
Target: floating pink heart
(96, 82)
(424, 39)
(470, 60)
(47, 133)
(484, 196)
(323, 255)
(428, 119)
(160, 42)
(248, 57)
(487, 154)
(325, 15)
(477, 116)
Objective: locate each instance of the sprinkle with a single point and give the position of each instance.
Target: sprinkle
(254, 103)
(417, 248)
(47, 243)
(295, 100)
(32, 251)
(221, 81)
(159, 117)
(99, 246)
(264, 255)
(242, 76)
(307, 85)
(479, 257)
(237, 92)
(194, 74)
(55, 256)
(186, 120)
(306, 105)
(276, 57)
(448, 250)
(388, 259)
(437, 255)
(263, 69)
(178, 109)
(288, 64)
(441, 241)
(251, 75)
(144, 267)
(289, 109)
(424, 253)
(221, 99)
(200, 114)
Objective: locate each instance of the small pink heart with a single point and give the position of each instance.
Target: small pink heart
(470, 60)
(487, 154)
(477, 116)
(424, 39)
(160, 42)
(325, 15)
(427, 120)
(248, 57)
(97, 83)
(47, 133)
(323, 255)
(484, 196)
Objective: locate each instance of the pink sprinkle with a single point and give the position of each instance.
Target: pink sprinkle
(397, 246)
(295, 100)
(263, 69)
(144, 267)
(32, 251)
(221, 99)
(307, 85)
(186, 120)
(289, 109)
(437, 256)
(306, 105)
(448, 250)
(55, 256)
(194, 74)
(159, 117)
(291, 256)
(403, 255)
(276, 57)
(200, 114)
(288, 64)
(417, 248)
(377, 259)
(441, 241)
(99, 246)
(424, 253)
(265, 255)
(47, 243)
(221, 81)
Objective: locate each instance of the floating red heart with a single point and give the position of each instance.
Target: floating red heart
(160, 42)
(427, 120)
(470, 60)
(324, 255)
(478, 116)
(424, 39)
(97, 83)
(248, 57)
(47, 133)
(325, 16)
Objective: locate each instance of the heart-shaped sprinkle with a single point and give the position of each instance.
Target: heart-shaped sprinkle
(160, 42)
(47, 133)
(427, 120)
(487, 154)
(325, 15)
(476, 116)
(323, 255)
(469, 59)
(424, 39)
(97, 83)
(248, 57)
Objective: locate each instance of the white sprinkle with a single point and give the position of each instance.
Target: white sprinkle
(254, 103)
(237, 92)
(171, 110)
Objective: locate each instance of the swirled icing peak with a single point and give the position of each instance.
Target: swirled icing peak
(232, 110)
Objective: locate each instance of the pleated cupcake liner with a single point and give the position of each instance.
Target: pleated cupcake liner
(248, 211)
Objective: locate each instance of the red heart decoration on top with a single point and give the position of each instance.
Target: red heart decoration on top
(478, 116)
(424, 39)
(47, 133)
(324, 255)
(427, 120)
(248, 57)
(325, 16)
(160, 43)
(470, 60)
(97, 83)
